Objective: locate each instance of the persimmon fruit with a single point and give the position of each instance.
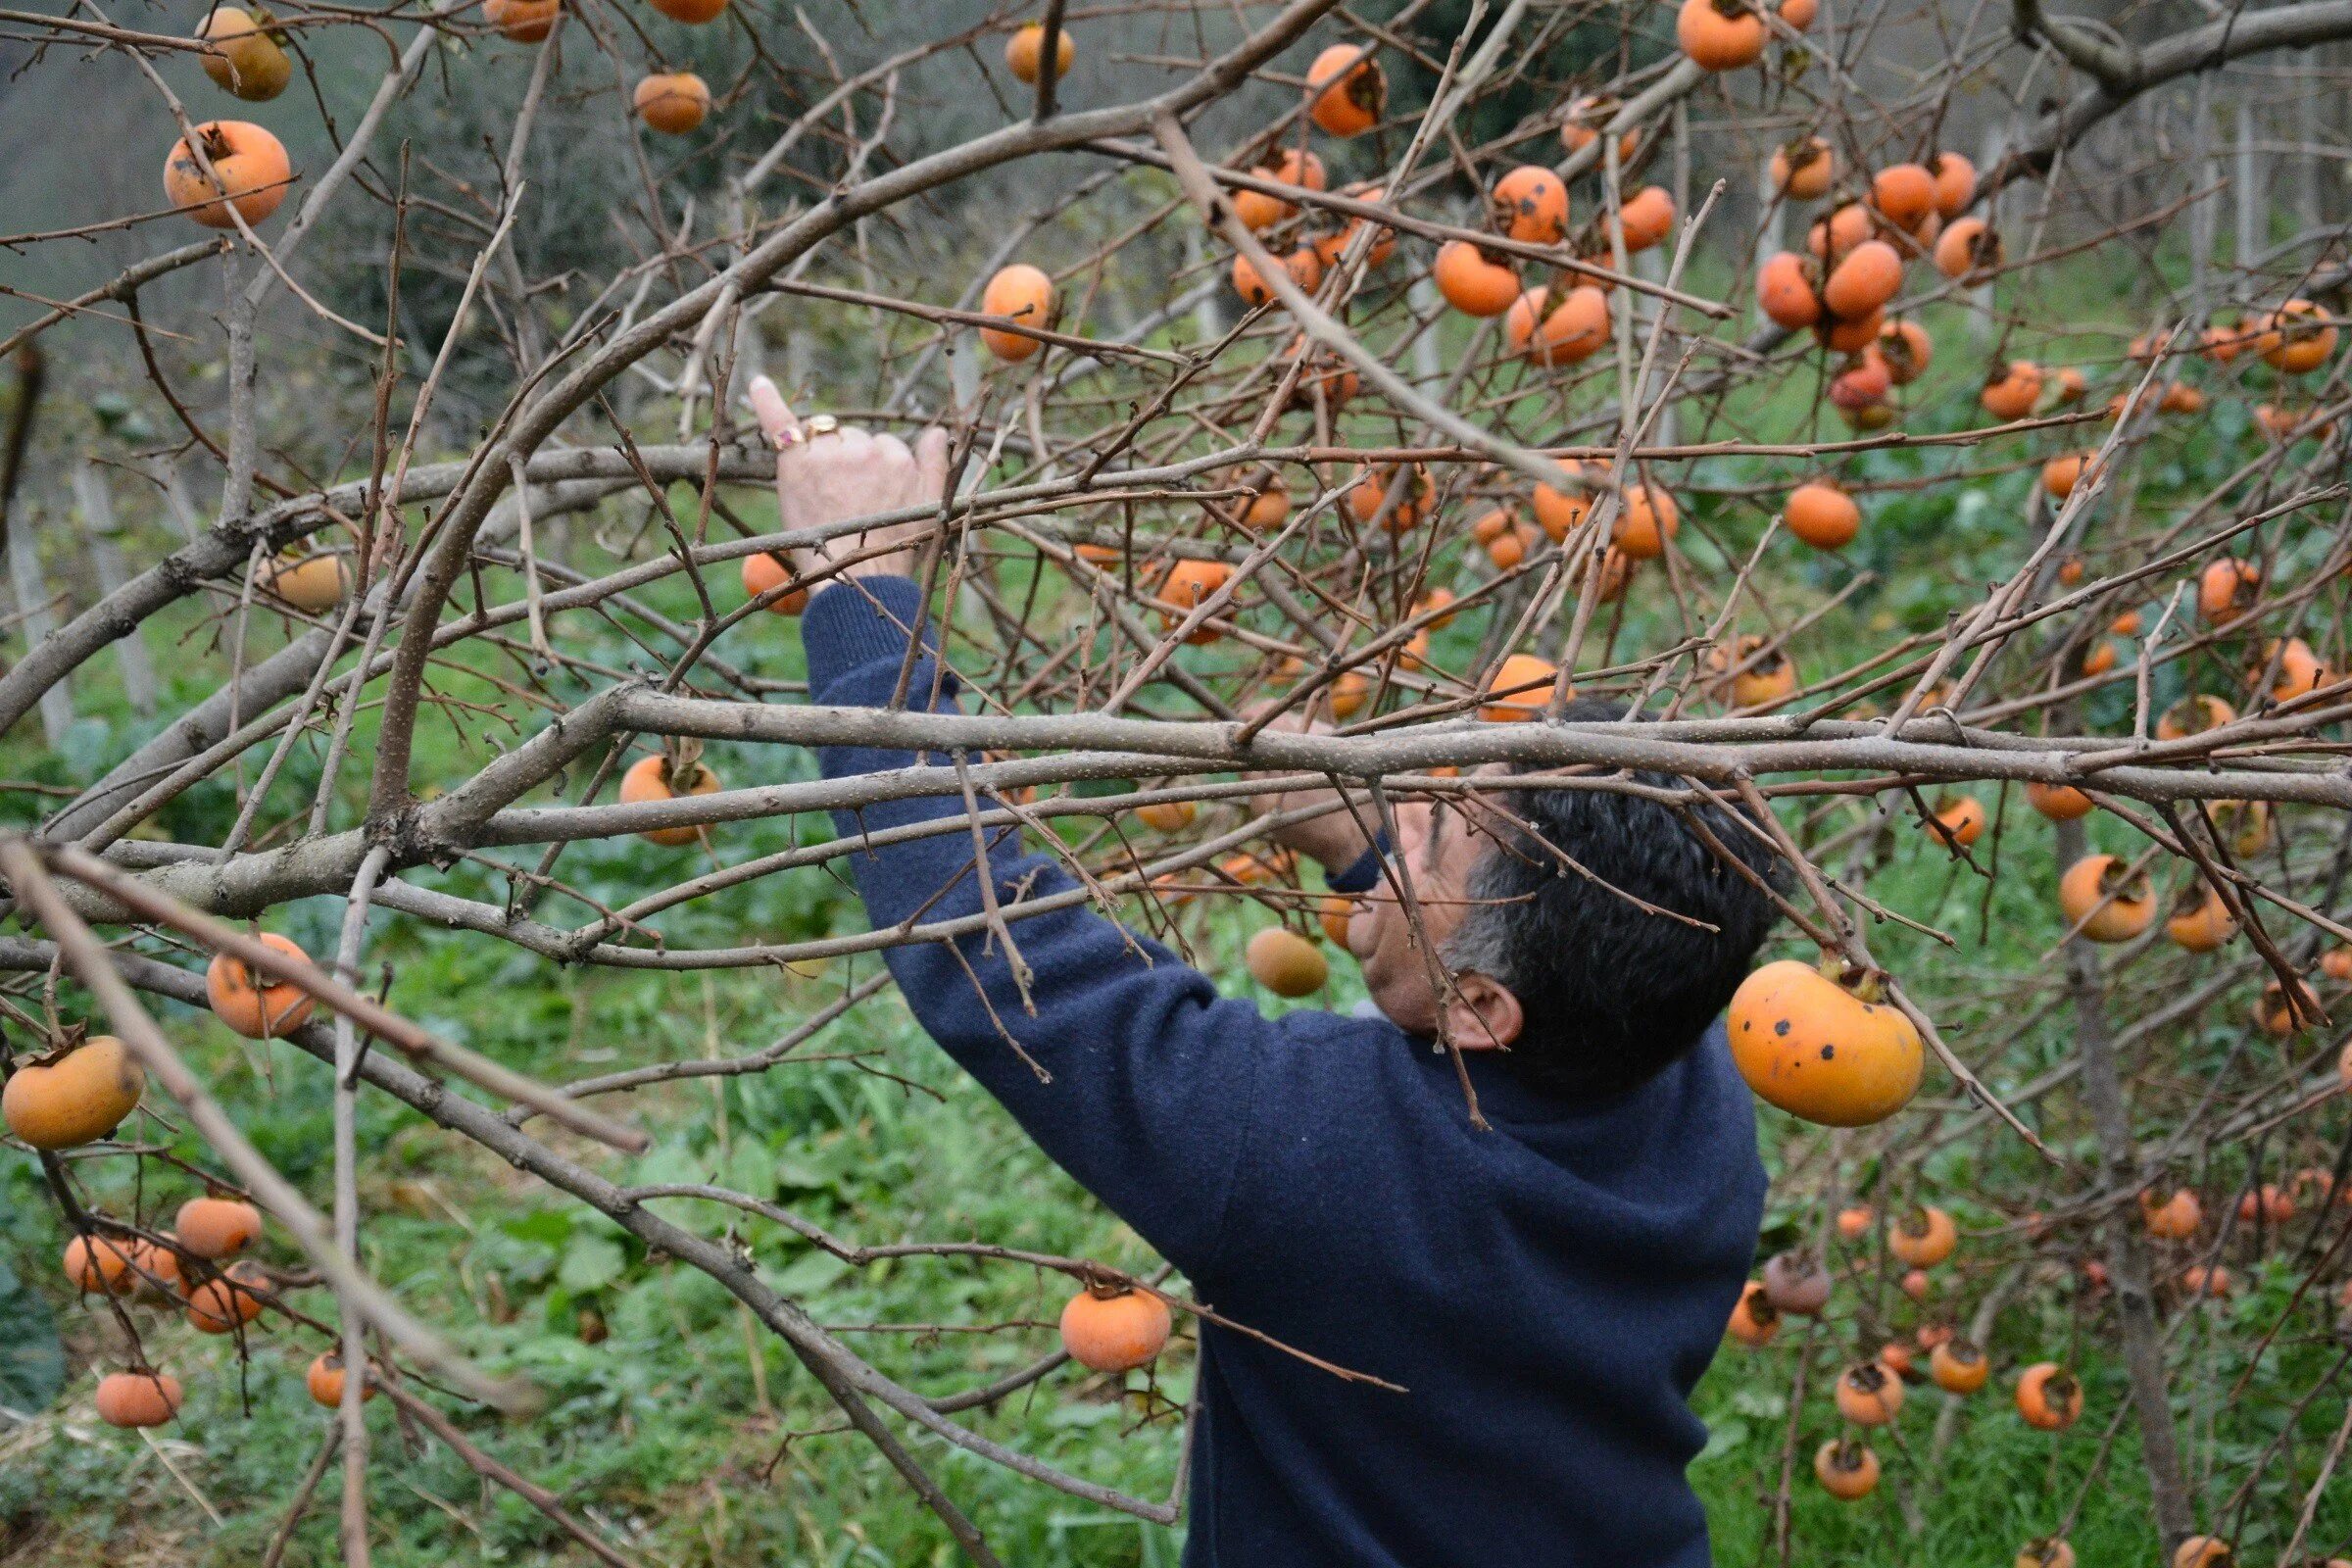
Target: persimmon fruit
(137, 1398)
(1520, 691)
(254, 1004)
(1350, 93)
(1021, 293)
(2050, 1396)
(1869, 1393)
(654, 778)
(1286, 962)
(1924, 1237)
(76, 1098)
(1828, 1048)
(225, 1304)
(99, 1265)
(1720, 34)
(244, 60)
(1847, 1470)
(2105, 901)
(1754, 1320)
(250, 172)
(672, 102)
(763, 573)
(1115, 1328)
(1958, 1367)
(218, 1227)
(1822, 515)
(522, 21)
(325, 1381)
(1025, 52)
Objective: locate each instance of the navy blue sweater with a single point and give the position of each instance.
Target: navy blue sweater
(1547, 1291)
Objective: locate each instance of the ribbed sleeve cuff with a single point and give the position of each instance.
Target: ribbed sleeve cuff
(1364, 873)
(859, 622)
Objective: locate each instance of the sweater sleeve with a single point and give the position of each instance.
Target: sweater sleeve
(1124, 1063)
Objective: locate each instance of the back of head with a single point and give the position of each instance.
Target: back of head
(1612, 992)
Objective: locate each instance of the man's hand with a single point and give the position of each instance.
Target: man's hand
(834, 473)
(1336, 840)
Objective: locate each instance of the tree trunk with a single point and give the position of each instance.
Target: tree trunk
(2126, 1251)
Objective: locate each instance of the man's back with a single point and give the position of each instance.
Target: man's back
(1546, 1289)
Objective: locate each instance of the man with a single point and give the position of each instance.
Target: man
(1545, 1289)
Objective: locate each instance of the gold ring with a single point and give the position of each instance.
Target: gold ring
(821, 425)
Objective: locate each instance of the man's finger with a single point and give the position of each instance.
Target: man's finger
(776, 418)
(930, 464)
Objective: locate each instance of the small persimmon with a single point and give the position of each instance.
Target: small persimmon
(244, 59)
(1904, 194)
(1333, 916)
(1785, 292)
(1837, 232)
(324, 1380)
(2195, 715)
(654, 778)
(1166, 816)
(1720, 34)
(250, 172)
(1847, 1470)
(1020, 293)
(255, 1007)
(1955, 184)
(2200, 921)
(1286, 962)
(99, 1265)
(1520, 691)
(1822, 515)
(1770, 676)
(2049, 1551)
(1025, 52)
(314, 583)
(672, 102)
(1958, 821)
(1797, 1284)
(140, 1399)
(1303, 266)
(1958, 1367)
(1569, 335)
(1646, 519)
(2268, 1203)
(1754, 1319)
(225, 1304)
(1802, 170)
(2011, 391)
(1189, 584)
(1646, 217)
(2050, 1396)
(1922, 1238)
(1907, 350)
(1530, 204)
(1870, 276)
(1855, 1220)
(1968, 251)
(2105, 901)
(1114, 1329)
(1396, 495)
(1259, 210)
(2061, 475)
(1870, 1394)
(2060, 803)
(2204, 1551)
(218, 1227)
(764, 573)
(2296, 338)
(1474, 282)
(75, 1098)
(1351, 93)
(1828, 1048)
(522, 21)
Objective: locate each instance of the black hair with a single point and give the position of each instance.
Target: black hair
(1612, 993)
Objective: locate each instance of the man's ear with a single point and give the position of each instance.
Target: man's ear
(1482, 1013)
